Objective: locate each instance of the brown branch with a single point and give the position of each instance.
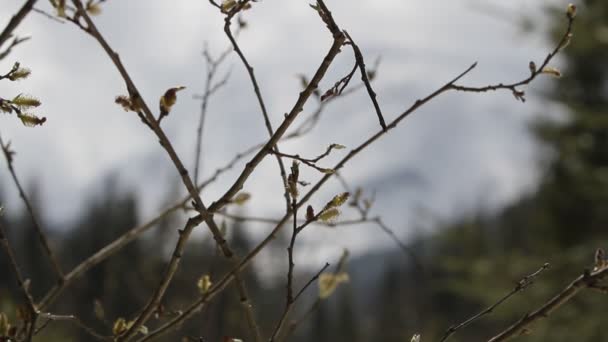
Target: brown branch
(370, 91)
(71, 318)
(132, 234)
(220, 285)
(586, 280)
(16, 41)
(27, 297)
(534, 70)
(258, 94)
(289, 300)
(104, 253)
(521, 285)
(16, 20)
(308, 162)
(278, 330)
(204, 215)
(210, 88)
(8, 155)
(293, 325)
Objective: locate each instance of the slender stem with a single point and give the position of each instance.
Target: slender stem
(204, 214)
(27, 297)
(289, 300)
(8, 155)
(521, 285)
(16, 20)
(586, 280)
(258, 94)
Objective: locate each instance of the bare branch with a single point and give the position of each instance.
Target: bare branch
(258, 94)
(534, 70)
(521, 285)
(16, 20)
(27, 297)
(365, 79)
(589, 279)
(8, 155)
(71, 318)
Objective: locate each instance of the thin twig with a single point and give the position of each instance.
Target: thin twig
(521, 285)
(534, 70)
(16, 41)
(258, 94)
(8, 155)
(27, 297)
(210, 88)
(587, 280)
(220, 285)
(71, 318)
(204, 215)
(289, 300)
(116, 245)
(16, 20)
(365, 79)
(293, 325)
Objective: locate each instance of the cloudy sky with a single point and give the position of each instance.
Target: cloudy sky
(459, 152)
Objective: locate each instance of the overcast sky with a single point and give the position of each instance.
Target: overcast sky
(460, 152)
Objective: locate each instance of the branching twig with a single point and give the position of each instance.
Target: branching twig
(16, 20)
(534, 70)
(361, 64)
(289, 300)
(210, 88)
(16, 41)
(27, 297)
(293, 325)
(71, 318)
(521, 285)
(204, 215)
(258, 94)
(589, 279)
(308, 162)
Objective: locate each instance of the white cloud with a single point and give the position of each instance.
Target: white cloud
(460, 143)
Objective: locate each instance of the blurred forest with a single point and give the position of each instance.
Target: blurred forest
(466, 265)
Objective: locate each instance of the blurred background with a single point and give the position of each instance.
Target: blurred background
(479, 189)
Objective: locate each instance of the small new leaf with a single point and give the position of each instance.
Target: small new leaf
(292, 179)
(415, 338)
(60, 6)
(119, 327)
(19, 74)
(551, 71)
(5, 326)
(168, 100)
(93, 8)
(532, 67)
(30, 120)
(310, 213)
(241, 198)
(25, 101)
(338, 200)
(98, 310)
(204, 284)
(571, 11)
(328, 283)
(227, 5)
(329, 215)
